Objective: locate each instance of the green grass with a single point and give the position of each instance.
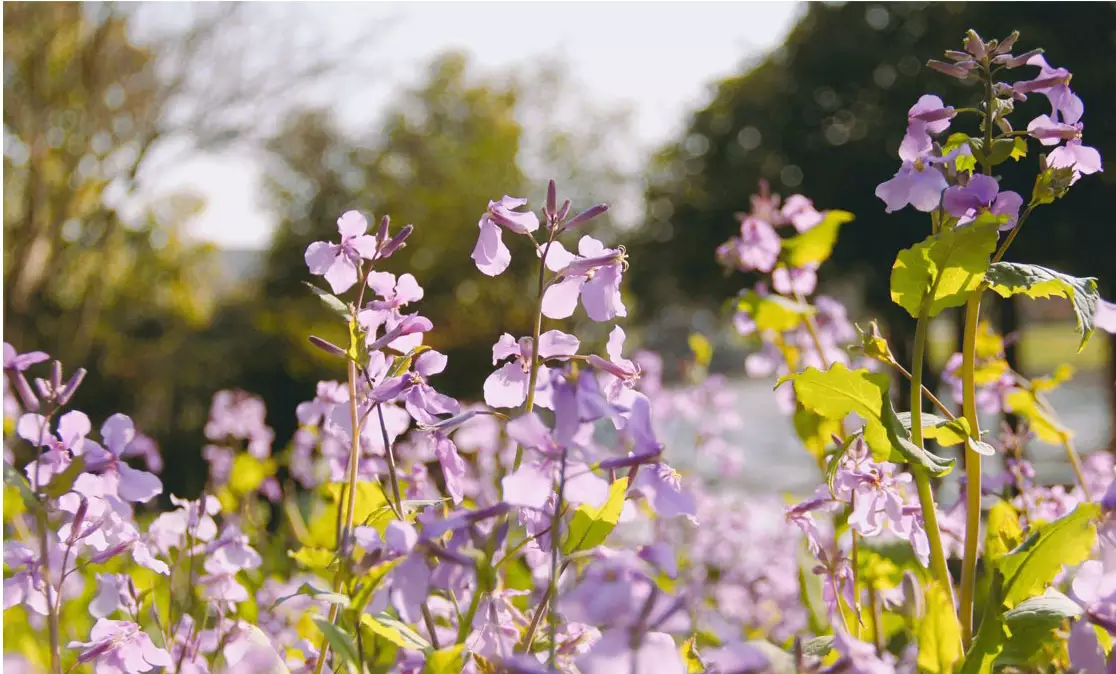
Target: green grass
(1042, 347)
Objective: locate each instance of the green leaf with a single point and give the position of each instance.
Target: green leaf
(815, 245)
(948, 432)
(13, 478)
(1010, 278)
(248, 473)
(1025, 404)
(1004, 149)
(839, 391)
(701, 348)
(1004, 531)
(1031, 624)
(989, 641)
(939, 633)
(945, 268)
(449, 660)
(317, 559)
(383, 625)
(341, 643)
(1019, 149)
(591, 526)
(308, 590)
(835, 461)
(1067, 540)
(774, 312)
(331, 301)
(690, 656)
(64, 481)
(371, 509)
(1051, 185)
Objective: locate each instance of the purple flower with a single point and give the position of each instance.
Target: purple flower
(757, 247)
(618, 375)
(131, 484)
(662, 486)
(858, 657)
(490, 254)
(1054, 84)
(982, 193)
(1083, 159)
(423, 403)
(507, 386)
(1051, 131)
(339, 263)
(394, 295)
(114, 591)
(120, 647)
(27, 585)
(929, 115)
(917, 183)
(453, 466)
(795, 280)
(593, 275)
(618, 651)
(801, 213)
(19, 362)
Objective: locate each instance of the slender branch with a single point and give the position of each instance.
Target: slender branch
(926, 393)
(533, 377)
(555, 550)
(392, 474)
(972, 468)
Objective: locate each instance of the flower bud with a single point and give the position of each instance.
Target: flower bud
(328, 347)
(109, 553)
(564, 211)
(955, 55)
(586, 215)
(961, 71)
(975, 45)
(71, 386)
(96, 652)
(1007, 43)
(383, 232)
(408, 326)
(56, 375)
(44, 389)
(26, 395)
(396, 241)
(1009, 61)
(79, 519)
(552, 200)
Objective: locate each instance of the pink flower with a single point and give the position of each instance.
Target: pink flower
(927, 116)
(491, 254)
(121, 647)
(507, 386)
(593, 275)
(339, 263)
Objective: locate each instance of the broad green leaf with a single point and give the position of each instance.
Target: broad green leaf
(948, 432)
(394, 631)
(1051, 184)
(591, 526)
(690, 656)
(371, 509)
(331, 301)
(816, 432)
(839, 391)
(774, 312)
(1010, 278)
(1031, 624)
(1004, 532)
(341, 643)
(1031, 566)
(1045, 427)
(248, 473)
(939, 632)
(308, 590)
(945, 268)
(317, 559)
(991, 635)
(1019, 149)
(815, 245)
(449, 660)
(13, 478)
(64, 481)
(701, 348)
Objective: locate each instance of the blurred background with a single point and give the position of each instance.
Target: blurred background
(166, 164)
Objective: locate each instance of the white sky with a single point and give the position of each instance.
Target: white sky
(656, 59)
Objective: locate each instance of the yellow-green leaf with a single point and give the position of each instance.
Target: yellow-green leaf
(1004, 531)
(591, 526)
(393, 631)
(939, 633)
(839, 391)
(690, 656)
(1067, 540)
(371, 509)
(449, 660)
(944, 268)
(774, 312)
(1045, 427)
(317, 559)
(815, 245)
(248, 473)
(701, 348)
(1010, 278)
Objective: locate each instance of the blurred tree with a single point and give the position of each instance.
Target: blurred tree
(823, 115)
(97, 270)
(443, 150)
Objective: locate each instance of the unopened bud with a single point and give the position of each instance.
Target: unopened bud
(79, 519)
(44, 389)
(71, 387)
(975, 45)
(396, 241)
(26, 395)
(961, 71)
(586, 215)
(56, 375)
(1009, 61)
(96, 652)
(552, 200)
(408, 326)
(1007, 43)
(108, 553)
(564, 211)
(329, 347)
(382, 233)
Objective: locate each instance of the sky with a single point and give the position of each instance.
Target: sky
(658, 60)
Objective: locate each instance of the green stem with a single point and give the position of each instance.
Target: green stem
(392, 475)
(466, 623)
(972, 468)
(533, 377)
(555, 549)
(921, 477)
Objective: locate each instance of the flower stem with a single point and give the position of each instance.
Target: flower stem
(555, 549)
(393, 476)
(921, 476)
(972, 468)
(533, 377)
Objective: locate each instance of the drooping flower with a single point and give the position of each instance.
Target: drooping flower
(131, 484)
(918, 183)
(339, 262)
(982, 193)
(491, 254)
(928, 116)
